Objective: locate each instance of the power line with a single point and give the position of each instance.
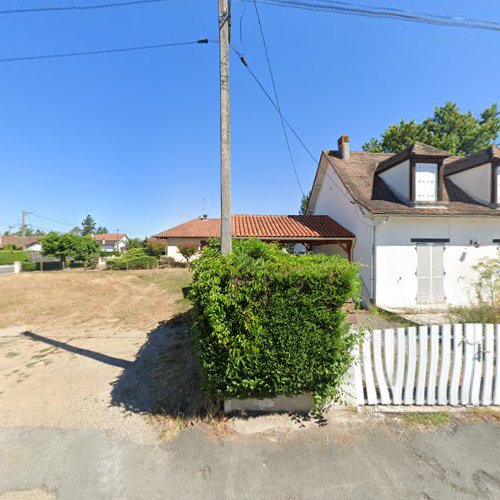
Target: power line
(315, 160)
(271, 100)
(36, 10)
(102, 51)
(337, 7)
(53, 220)
(261, 29)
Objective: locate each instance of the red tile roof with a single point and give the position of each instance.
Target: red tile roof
(109, 236)
(286, 227)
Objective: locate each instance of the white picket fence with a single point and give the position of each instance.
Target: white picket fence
(436, 365)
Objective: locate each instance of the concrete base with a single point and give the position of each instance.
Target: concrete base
(303, 403)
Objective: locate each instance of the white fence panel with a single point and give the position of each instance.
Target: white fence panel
(443, 365)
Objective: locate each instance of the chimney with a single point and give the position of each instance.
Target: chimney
(343, 144)
(204, 217)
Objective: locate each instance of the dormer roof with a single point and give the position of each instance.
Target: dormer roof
(416, 149)
(485, 156)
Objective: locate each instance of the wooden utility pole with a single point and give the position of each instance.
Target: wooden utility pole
(225, 126)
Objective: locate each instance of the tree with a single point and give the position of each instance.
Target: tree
(136, 243)
(102, 230)
(448, 129)
(88, 225)
(304, 202)
(76, 230)
(154, 247)
(63, 246)
(188, 251)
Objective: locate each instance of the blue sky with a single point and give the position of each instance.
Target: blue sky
(133, 139)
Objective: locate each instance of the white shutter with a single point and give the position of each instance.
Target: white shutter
(437, 274)
(498, 185)
(423, 274)
(430, 274)
(426, 181)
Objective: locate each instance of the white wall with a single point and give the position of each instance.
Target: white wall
(334, 200)
(398, 179)
(173, 247)
(476, 182)
(396, 256)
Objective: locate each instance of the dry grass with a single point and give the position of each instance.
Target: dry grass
(92, 299)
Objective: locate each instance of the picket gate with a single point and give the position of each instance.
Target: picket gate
(429, 365)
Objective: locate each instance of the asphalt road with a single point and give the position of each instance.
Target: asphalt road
(460, 461)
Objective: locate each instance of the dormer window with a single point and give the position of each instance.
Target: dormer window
(415, 175)
(426, 182)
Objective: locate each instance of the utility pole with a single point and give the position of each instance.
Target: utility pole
(225, 126)
(117, 234)
(23, 221)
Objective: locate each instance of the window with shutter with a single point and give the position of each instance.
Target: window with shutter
(426, 181)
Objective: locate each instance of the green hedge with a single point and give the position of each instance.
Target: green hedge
(269, 323)
(28, 266)
(8, 257)
(135, 258)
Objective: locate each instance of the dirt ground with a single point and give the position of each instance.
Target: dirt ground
(71, 341)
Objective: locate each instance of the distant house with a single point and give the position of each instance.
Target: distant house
(310, 231)
(27, 243)
(423, 219)
(112, 242)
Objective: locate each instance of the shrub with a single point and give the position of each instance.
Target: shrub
(114, 253)
(136, 258)
(480, 313)
(8, 257)
(269, 323)
(166, 261)
(188, 250)
(28, 266)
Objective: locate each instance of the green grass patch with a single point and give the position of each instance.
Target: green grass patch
(431, 419)
(390, 316)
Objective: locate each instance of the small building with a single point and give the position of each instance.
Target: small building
(27, 243)
(310, 231)
(423, 219)
(112, 242)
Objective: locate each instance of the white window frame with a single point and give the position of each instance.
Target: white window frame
(426, 170)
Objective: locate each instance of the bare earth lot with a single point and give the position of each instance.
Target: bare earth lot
(96, 367)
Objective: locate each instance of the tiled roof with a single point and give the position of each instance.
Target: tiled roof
(281, 227)
(109, 236)
(19, 241)
(359, 177)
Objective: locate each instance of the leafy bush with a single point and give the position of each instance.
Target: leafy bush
(8, 257)
(481, 313)
(269, 323)
(28, 266)
(166, 261)
(114, 253)
(136, 258)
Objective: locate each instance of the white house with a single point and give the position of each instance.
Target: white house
(422, 219)
(27, 243)
(289, 229)
(113, 242)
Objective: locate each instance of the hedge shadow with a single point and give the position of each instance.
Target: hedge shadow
(164, 378)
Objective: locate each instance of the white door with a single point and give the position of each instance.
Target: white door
(430, 273)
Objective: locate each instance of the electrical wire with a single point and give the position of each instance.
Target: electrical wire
(53, 220)
(261, 29)
(359, 212)
(338, 7)
(270, 99)
(36, 10)
(102, 51)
